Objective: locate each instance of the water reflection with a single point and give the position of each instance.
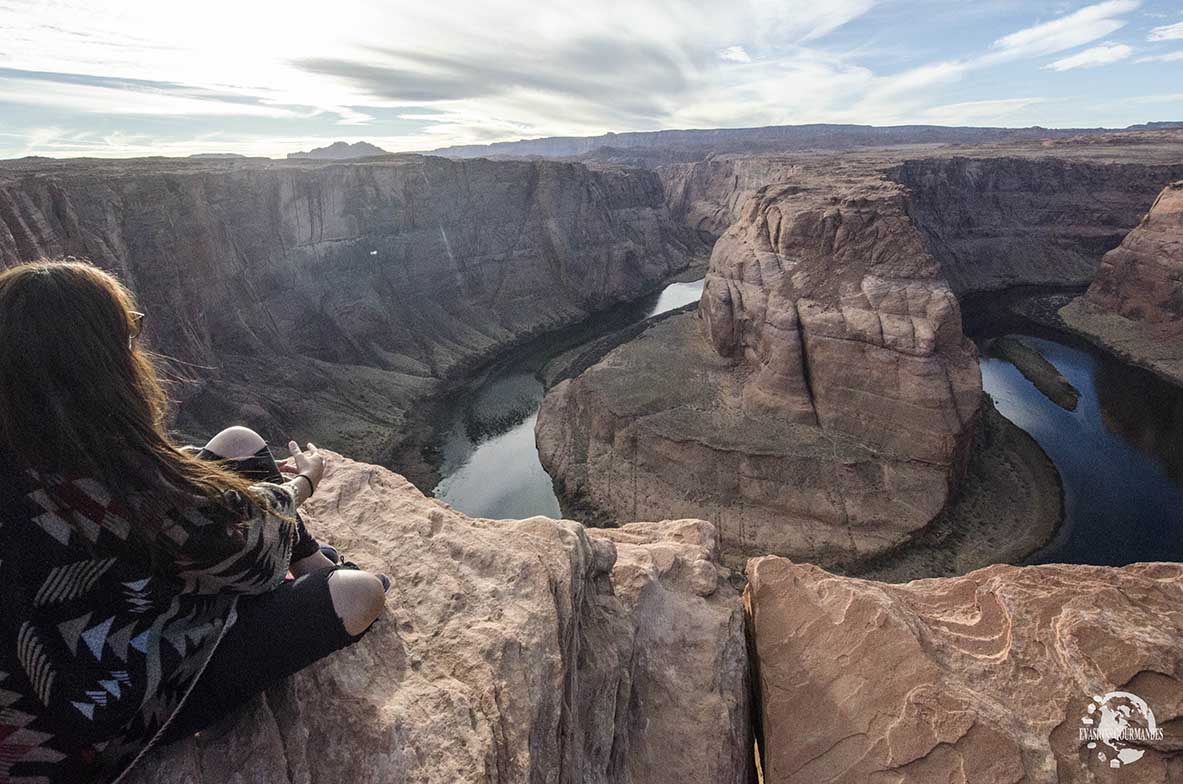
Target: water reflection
(489, 462)
(1118, 453)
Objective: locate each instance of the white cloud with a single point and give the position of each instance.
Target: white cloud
(97, 99)
(1169, 57)
(1078, 28)
(413, 75)
(978, 112)
(1166, 32)
(1097, 55)
(735, 54)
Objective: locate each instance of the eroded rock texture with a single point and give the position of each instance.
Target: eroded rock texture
(1008, 221)
(510, 651)
(1142, 279)
(825, 412)
(323, 300)
(982, 678)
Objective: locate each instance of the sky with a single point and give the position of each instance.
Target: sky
(258, 77)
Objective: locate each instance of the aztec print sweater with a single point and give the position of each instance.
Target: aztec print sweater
(97, 651)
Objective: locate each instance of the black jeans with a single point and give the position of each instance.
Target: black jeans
(276, 635)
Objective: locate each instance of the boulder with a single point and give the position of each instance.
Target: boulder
(510, 651)
(1001, 676)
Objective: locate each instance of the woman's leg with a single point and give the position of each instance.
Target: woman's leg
(277, 634)
(247, 453)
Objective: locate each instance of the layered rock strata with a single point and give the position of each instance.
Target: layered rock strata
(1135, 306)
(321, 300)
(509, 651)
(983, 679)
(1001, 222)
(823, 411)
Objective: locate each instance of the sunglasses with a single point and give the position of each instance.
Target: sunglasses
(137, 324)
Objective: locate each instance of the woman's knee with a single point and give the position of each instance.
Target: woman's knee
(358, 598)
(236, 442)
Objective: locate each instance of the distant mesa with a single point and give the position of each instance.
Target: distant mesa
(211, 156)
(340, 151)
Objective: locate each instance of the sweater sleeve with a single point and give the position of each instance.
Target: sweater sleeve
(252, 557)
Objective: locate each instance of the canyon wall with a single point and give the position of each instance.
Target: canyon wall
(709, 195)
(1142, 279)
(510, 651)
(321, 301)
(824, 407)
(988, 678)
(993, 221)
(1134, 307)
(1000, 222)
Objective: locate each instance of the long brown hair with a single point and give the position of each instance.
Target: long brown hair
(80, 396)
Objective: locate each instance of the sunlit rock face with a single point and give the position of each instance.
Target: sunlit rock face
(323, 300)
(1142, 279)
(820, 406)
(509, 651)
(982, 679)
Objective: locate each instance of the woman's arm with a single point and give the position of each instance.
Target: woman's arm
(308, 467)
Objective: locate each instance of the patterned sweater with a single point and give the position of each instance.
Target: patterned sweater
(97, 650)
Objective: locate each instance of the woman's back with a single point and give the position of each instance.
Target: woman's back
(97, 650)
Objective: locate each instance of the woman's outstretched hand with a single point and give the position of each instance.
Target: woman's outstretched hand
(309, 462)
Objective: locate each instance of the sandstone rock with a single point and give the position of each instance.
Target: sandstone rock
(1142, 279)
(828, 413)
(510, 651)
(982, 678)
(324, 301)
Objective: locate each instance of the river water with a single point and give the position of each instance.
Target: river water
(489, 464)
(1119, 454)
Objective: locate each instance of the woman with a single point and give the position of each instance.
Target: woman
(143, 590)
